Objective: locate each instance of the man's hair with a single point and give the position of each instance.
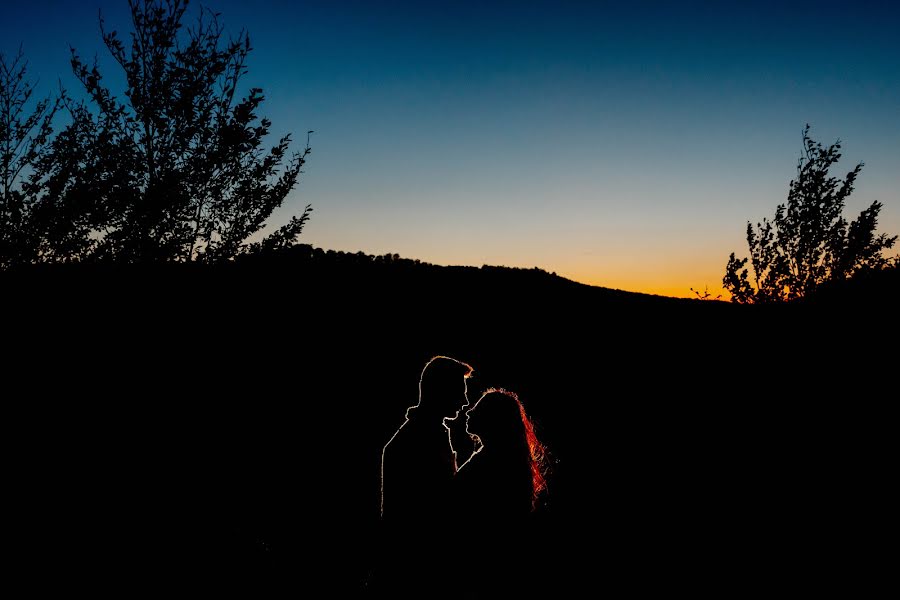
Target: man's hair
(441, 372)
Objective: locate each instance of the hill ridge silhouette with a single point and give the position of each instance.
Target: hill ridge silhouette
(309, 252)
(321, 262)
(217, 410)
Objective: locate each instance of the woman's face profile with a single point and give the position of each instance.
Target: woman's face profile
(490, 414)
(473, 419)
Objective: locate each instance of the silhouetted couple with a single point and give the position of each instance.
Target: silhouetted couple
(450, 528)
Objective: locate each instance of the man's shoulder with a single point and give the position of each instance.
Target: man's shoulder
(402, 436)
(413, 437)
(410, 429)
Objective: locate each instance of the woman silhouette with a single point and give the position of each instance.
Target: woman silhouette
(498, 488)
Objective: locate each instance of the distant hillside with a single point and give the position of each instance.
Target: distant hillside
(306, 256)
(303, 266)
(220, 412)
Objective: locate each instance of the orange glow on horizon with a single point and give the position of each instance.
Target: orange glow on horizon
(671, 290)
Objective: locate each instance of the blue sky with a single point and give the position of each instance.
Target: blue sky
(620, 144)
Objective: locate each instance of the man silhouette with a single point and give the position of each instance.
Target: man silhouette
(418, 465)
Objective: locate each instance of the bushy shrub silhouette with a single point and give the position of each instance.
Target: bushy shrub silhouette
(809, 242)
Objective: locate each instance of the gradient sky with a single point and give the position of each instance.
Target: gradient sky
(622, 144)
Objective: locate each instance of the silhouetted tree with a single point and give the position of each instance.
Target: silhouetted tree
(25, 131)
(175, 169)
(809, 242)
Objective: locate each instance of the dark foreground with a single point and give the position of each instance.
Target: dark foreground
(226, 424)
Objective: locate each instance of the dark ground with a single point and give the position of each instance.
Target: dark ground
(225, 423)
